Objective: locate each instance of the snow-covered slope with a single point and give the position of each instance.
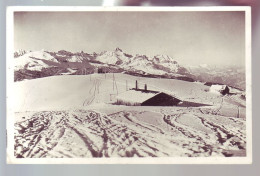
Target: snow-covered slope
(34, 61)
(29, 64)
(43, 55)
(80, 120)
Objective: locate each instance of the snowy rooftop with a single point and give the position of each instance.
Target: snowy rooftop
(136, 96)
(217, 88)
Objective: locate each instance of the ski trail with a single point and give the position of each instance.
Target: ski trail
(83, 133)
(198, 139)
(93, 91)
(129, 116)
(223, 135)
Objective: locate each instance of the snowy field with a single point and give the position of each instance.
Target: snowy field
(74, 116)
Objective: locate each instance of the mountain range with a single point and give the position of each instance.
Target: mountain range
(36, 64)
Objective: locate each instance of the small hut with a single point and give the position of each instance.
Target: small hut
(219, 89)
(161, 99)
(146, 98)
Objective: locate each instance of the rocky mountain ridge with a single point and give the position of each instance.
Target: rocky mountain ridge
(36, 64)
(117, 59)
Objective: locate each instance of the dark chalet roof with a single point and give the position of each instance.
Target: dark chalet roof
(161, 99)
(140, 97)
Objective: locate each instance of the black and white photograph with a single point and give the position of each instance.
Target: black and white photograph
(129, 85)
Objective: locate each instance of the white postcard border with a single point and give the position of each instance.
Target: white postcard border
(158, 160)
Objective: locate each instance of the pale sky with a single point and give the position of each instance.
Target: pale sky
(191, 38)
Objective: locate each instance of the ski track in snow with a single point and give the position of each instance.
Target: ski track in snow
(217, 130)
(85, 133)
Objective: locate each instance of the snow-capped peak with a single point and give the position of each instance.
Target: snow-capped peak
(157, 65)
(115, 57)
(139, 56)
(164, 59)
(118, 49)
